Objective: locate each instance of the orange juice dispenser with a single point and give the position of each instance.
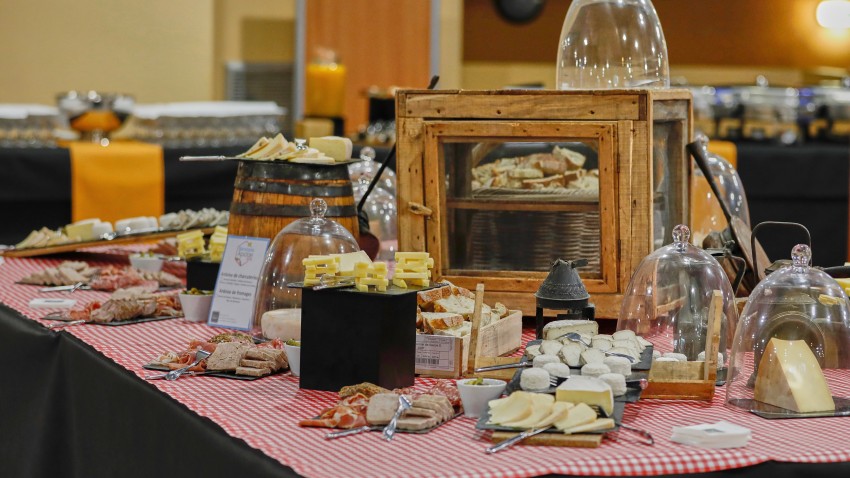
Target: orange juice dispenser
(325, 89)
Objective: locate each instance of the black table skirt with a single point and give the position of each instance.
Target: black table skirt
(67, 411)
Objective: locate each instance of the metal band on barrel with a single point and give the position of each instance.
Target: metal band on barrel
(289, 210)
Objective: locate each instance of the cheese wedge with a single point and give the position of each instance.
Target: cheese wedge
(336, 147)
(595, 426)
(581, 414)
(789, 377)
(589, 390)
(557, 328)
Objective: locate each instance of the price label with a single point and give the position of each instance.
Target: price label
(435, 352)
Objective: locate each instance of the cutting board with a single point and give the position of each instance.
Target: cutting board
(553, 439)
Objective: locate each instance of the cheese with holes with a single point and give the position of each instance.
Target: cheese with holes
(589, 390)
(336, 147)
(789, 377)
(557, 328)
(580, 414)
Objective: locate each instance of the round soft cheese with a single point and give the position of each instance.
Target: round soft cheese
(624, 335)
(616, 381)
(532, 351)
(122, 224)
(620, 365)
(550, 347)
(560, 370)
(534, 379)
(283, 324)
(674, 355)
(601, 343)
(542, 360)
(594, 369)
(701, 357)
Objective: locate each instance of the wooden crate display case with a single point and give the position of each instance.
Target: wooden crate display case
(634, 141)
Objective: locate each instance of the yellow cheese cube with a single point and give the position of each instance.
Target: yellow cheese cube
(399, 283)
(400, 256)
(412, 275)
(362, 287)
(373, 281)
(419, 282)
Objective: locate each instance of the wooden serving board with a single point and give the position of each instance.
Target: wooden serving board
(553, 439)
(121, 240)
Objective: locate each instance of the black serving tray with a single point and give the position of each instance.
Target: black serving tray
(117, 323)
(645, 362)
(619, 409)
(771, 412)
(231, 375)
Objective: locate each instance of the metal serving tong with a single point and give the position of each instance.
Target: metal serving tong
(66, 288)
(327, 281)
(389, 430)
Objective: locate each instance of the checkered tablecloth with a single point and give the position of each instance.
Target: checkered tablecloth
(265, 413)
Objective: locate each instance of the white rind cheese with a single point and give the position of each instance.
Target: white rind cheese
(556, 328)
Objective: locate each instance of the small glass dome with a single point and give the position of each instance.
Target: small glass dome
(380, 207)
(283, 264)
(706, 212)
(669, 298)
(791, 353)
(612, 44)
(368, 168)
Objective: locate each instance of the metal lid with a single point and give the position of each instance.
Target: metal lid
(563, 288)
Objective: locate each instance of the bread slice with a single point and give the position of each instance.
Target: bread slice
(253, 372)
(227, 356)
(426, 298)
(259, 364)
(441, 320)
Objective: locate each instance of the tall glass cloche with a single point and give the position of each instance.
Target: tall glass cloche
(791, 354)
(612, 44)
(315, 235)
(670, 295)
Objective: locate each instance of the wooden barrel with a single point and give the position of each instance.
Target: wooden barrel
(267, 196)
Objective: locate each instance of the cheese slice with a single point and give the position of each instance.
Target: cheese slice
(336, 147)
(557, 328)
(80, 232)
(589, 390)
(541, 406)
(557, 412)
(789, 377)
(581, 414)
(412, 275)
(595, 426)
(519, 407)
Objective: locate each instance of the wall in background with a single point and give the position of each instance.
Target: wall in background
(381, 42)
(713, 41)
(158, 50)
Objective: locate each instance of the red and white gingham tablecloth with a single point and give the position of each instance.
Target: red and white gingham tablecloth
(265, 413)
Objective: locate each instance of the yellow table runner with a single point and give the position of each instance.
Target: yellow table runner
(117, 181)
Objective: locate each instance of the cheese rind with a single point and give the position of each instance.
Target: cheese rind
(336, 147)
(790, 377)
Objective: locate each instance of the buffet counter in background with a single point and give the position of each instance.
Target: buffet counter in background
(809, 183)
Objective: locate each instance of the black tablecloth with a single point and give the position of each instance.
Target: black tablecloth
(807, 184)
(67, 411)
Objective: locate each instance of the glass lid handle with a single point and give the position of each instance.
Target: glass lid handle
(801, 256)
(368, 154)
(318, 208)
(681, 237)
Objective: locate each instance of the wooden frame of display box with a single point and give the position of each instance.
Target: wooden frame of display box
(618, 124)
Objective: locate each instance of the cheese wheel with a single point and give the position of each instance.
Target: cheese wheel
(534, 379)
(616, 381)
(542, 360)
(283, 324)
(620, 365)
(594, 369)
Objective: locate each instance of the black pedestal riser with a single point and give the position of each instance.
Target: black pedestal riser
(350, 337)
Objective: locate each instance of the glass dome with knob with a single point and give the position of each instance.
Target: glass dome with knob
(612, 44)
(670, 295)
(316, 235)
(791, 353)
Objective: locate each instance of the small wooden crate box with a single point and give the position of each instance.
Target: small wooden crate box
(495, 185)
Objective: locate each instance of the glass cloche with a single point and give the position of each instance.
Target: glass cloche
(283, 265)
(612, 44)
(791, 353)
(706, 211)
(380, 207)
(669, 296)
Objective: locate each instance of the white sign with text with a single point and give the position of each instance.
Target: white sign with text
(236, 286)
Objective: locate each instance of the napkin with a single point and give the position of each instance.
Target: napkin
(714, 435)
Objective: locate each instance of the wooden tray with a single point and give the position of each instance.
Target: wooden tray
(71, 247)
